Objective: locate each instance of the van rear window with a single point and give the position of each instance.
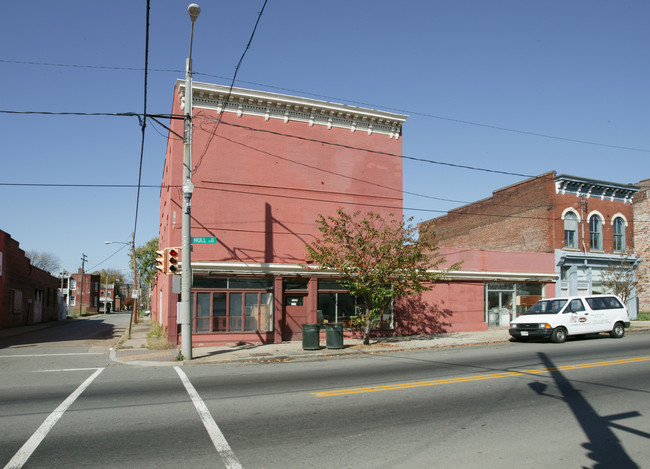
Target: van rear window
(607, 302)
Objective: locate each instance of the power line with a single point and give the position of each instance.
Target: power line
(343, 100)
(232, 84)
(351, 147)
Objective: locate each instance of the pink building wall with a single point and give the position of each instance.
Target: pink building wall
(260, 184)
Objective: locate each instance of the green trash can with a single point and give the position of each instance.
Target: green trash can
(334, 335)
(310, 339)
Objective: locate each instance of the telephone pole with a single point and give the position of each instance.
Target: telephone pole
(84, 258)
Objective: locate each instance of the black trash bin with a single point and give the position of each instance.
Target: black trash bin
(310, 339)
(334, 335)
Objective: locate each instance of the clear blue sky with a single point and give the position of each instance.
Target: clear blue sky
(483, 83)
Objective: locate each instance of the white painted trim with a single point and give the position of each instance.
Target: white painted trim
(291, 108)
(244, 268)
(618, 215)
(572, 210)
(595, 212)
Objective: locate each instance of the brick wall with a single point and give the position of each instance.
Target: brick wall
(515, 218)
(642, 241)
(23, 288)
(528, 217)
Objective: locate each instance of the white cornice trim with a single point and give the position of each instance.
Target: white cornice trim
(242, 101)
(252, 268)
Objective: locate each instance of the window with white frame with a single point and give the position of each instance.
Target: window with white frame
(596, 233)
(571, 230)
(619, 234)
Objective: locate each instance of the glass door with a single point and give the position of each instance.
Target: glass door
(500, 308)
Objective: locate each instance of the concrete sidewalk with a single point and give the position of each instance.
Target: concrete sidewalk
(134, 351)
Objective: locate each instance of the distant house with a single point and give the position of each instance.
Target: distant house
(28, 295)
(587, 225)
(83, 293)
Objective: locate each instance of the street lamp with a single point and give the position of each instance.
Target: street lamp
(134, 310)
(186, 272)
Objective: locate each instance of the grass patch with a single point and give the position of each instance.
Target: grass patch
(157, 338)
(643, 317)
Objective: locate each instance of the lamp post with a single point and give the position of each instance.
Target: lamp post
(134, 310)
(186, 272)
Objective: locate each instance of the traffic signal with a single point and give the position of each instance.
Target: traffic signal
(161, 261)
(172, 261)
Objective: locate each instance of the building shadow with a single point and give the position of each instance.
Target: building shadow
(60, 331)
(603, 447)
(417, 317)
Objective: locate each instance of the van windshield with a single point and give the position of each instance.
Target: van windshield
(547, 307)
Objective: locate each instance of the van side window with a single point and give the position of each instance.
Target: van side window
(612, 302)
(597, 303)
(575, 306)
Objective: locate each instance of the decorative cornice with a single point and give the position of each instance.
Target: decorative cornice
(582, 187)
(287, 108)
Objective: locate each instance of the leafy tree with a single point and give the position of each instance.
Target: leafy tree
(145, 261)
(623, 279)
(377, 259)
(44, 260)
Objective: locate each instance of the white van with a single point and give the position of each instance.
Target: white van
(557, 318)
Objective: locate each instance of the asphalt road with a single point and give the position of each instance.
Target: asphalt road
(579, 404)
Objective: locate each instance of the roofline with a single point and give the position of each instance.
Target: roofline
(596, 182)
(235, 94)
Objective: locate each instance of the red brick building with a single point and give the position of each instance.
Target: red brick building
(28, 295)
(84, 293)
(265, 165)
(586, 224)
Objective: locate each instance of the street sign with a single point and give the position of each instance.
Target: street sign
(204, 240)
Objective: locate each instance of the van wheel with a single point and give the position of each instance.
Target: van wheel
(618, 331)
(559, 335)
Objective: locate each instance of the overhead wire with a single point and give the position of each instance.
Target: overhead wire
(343, 100)
(232, 84)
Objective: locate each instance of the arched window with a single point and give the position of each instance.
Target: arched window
(570, 230)
(619, 234)
(596, 233)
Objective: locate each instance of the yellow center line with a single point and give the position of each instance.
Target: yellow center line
(466, 379)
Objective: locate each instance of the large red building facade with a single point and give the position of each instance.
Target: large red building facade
(264, 167)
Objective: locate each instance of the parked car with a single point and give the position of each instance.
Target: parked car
(558, 318)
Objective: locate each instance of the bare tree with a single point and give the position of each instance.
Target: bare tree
(623, 279)
(44, 260)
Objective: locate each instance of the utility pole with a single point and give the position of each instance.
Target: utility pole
(134, 310)
(186, 272)
(84, 258)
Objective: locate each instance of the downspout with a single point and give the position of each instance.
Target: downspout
(582, 216)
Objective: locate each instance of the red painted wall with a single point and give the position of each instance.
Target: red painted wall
(259, 186)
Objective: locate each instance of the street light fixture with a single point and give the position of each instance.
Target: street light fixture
(134, 310)
(186, 273)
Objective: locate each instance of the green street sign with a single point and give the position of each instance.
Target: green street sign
(204, 240)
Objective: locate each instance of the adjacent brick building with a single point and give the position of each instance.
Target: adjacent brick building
(642, 242)
(587, 224)
(28, 295)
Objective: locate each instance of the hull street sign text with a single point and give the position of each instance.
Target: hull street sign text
(204, 240)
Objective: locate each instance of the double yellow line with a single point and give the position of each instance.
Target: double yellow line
(466, 379)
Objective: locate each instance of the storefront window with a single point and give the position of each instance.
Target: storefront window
(335, 304)
(505, 301)
(233, 311)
